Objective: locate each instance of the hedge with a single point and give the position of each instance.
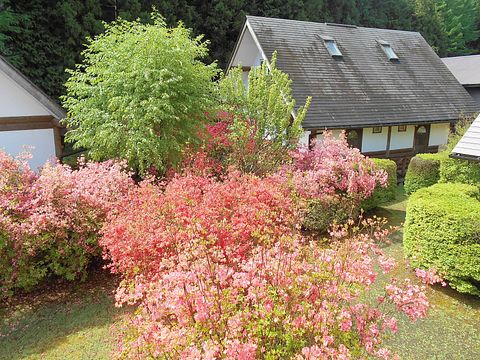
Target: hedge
(459, 171)
(423, 171)
(383, 194)
(442, 231)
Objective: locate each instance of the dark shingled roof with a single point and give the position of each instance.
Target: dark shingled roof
(363, 88)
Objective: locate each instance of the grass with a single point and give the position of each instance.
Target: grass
(74, 321)
(62, 321)
(452, 329)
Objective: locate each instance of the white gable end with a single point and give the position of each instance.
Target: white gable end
(16, 101)
(247, 52)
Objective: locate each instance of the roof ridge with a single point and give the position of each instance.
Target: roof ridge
(352, 26)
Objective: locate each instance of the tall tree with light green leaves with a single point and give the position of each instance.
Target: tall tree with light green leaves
(141, 94)
(266, 121)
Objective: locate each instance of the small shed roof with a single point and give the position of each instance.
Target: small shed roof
(465, 68)
(469, 145)
(55, 110)
(362, 87)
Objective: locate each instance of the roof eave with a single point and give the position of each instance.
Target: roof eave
(465, 157)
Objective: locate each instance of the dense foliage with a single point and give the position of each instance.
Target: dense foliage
(51, 34)
(423, 171)
(219, 269)
(50, 221)
(140, 94)
(442, 233)
(459, 171)
(382, 194)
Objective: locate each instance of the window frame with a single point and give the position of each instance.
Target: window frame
(388, 51)
(336, 53)
(375, 129)
(402, 128)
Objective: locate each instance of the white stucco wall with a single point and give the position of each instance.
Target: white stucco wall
(42, 141)
(374, 142)
(248, 54)
(438, 134)
(402, 140)
(16, 101)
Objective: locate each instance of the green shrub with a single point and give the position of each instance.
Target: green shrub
(423, 171)
(320, 214)
(442, 231)
(382, 195)
(459, 171)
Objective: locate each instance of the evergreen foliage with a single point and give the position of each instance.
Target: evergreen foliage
(44, 37)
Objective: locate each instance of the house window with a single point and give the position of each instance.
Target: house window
(402, 128)
(377, 130)
(332, 47)
(387, 49)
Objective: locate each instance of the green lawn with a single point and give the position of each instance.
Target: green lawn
(68, 321)
(74, 321)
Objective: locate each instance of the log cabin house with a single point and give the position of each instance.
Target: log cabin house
(387, 89)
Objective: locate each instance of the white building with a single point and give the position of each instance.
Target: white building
(386, 88)
(28, 118)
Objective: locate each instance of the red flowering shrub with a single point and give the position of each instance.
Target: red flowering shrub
(154, 224)
(49, 222)
(219, 269)
(235, 141)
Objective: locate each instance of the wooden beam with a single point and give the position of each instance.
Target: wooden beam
(58, 142)
(26, 123)
(389, 137)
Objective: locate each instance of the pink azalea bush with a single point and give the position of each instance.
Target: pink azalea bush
(50, 221)
(333, 179)
(220, 269)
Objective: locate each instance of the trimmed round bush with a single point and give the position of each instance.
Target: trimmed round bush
(381, 194)
(423, 171)
(442, 231)
(459, 171)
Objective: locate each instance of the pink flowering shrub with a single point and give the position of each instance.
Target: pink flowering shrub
(333, 179)
(50, 221)
(220, 269)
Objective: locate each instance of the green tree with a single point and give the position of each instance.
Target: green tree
(8, 25)
(51, 38)
(140, 94)
(429, 22)
(461, 25)
(263, 127)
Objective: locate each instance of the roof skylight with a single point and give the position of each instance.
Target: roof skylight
(387, 49)
(332, 47)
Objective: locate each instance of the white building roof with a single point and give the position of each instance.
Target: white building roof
(469, 145)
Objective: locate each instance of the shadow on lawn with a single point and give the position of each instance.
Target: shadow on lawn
(64, 320)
